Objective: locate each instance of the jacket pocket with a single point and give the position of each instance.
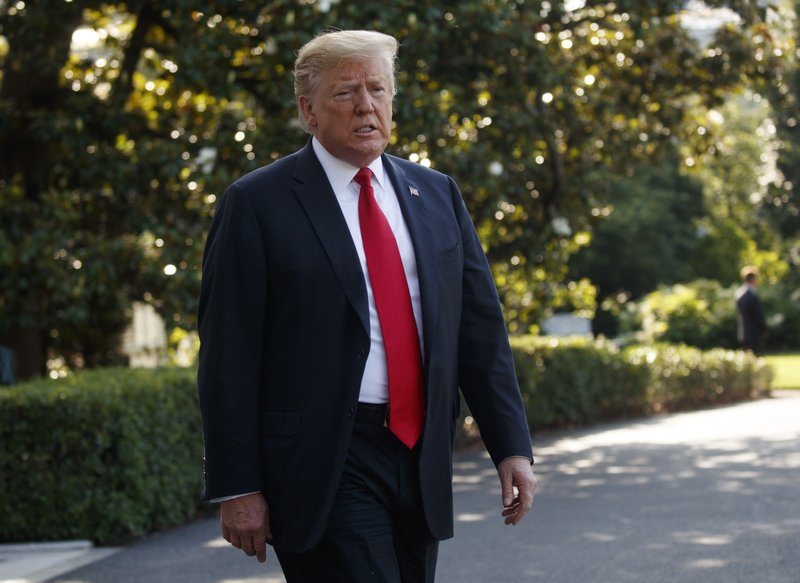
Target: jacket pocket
(450, 254)
(449, 264)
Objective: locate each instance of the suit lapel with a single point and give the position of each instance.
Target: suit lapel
(319, 202)
(419, 227)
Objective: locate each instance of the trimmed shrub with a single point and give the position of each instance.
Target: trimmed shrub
(105, 454)
(683, 377)
(575, 381)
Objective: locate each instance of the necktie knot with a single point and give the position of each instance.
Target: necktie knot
(364, 177)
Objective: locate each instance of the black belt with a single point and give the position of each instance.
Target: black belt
(373, 413)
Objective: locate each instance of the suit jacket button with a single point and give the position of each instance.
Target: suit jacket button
(362, 354)
(351, 411)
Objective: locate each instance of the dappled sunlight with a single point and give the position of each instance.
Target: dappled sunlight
(705, 496)
(629, 470)
(590, 482)
(470, 517)
(707, 564)
(217, 543)
(698, 538)
(467, 478)
(465, 466)
(725, 426)
(719, 461)
(771, 529)
(600, 537)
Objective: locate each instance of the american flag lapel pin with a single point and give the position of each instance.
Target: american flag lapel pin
(413, 191)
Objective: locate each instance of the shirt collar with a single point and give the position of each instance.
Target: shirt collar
(340, 174)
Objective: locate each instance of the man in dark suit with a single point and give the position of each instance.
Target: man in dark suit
(345, 300)
(751, 325)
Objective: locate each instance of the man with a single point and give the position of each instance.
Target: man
(751, 326)
(345, 299)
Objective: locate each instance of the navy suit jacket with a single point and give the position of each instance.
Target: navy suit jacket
(751, 325)
(284, 330)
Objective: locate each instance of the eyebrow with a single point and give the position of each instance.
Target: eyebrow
(349, 82)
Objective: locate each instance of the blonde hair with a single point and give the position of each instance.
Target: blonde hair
(330, 49)
(748, 273)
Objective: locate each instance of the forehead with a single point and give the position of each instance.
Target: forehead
(350, 71)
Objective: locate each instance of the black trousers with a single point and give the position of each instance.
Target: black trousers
(377, 530)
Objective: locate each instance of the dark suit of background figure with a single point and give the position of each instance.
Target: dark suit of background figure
(285, 334)
(752, 327)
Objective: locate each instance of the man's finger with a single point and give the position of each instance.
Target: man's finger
(260, 546)
(507, 488)
(247, 546)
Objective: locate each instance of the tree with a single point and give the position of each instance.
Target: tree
(113, 154)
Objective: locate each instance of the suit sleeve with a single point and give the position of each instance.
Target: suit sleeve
(233, 295)
(486, 372)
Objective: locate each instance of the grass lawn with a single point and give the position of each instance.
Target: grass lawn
(787, 370)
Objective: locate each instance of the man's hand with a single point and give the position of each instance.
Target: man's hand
(516, 473)
(245, 524)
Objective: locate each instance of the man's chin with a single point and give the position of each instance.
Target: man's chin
(366, 155)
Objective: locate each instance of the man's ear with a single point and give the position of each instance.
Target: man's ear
(307, 109)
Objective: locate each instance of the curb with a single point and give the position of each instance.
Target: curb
(37, 562)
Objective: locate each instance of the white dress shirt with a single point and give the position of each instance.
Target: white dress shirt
(375, 382)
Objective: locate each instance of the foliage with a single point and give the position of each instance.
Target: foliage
(782, 310)
(103, 455)
(574, 381)
(684, 377)
(648, 234)
(734, 154)
(674, 224)
(700, 313)
(115, 151)
(777, 79)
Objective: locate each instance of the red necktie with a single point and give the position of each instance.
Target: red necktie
(393, 301)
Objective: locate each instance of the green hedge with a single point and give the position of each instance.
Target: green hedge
(574, 381)
(682, 377)
(113, 454)
(105, 455)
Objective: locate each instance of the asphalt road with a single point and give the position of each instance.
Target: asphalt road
(703, 497)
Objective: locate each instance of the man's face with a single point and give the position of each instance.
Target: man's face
(350, 113)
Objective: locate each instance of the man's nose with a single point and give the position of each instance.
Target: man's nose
(364, 102)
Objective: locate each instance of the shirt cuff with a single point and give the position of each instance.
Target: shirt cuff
(224, 498)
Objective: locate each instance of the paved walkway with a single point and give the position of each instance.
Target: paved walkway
(703, 497)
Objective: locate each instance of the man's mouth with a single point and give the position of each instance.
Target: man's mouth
(365, 129)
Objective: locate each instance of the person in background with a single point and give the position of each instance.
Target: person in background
(345, 300)
(751, 325)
